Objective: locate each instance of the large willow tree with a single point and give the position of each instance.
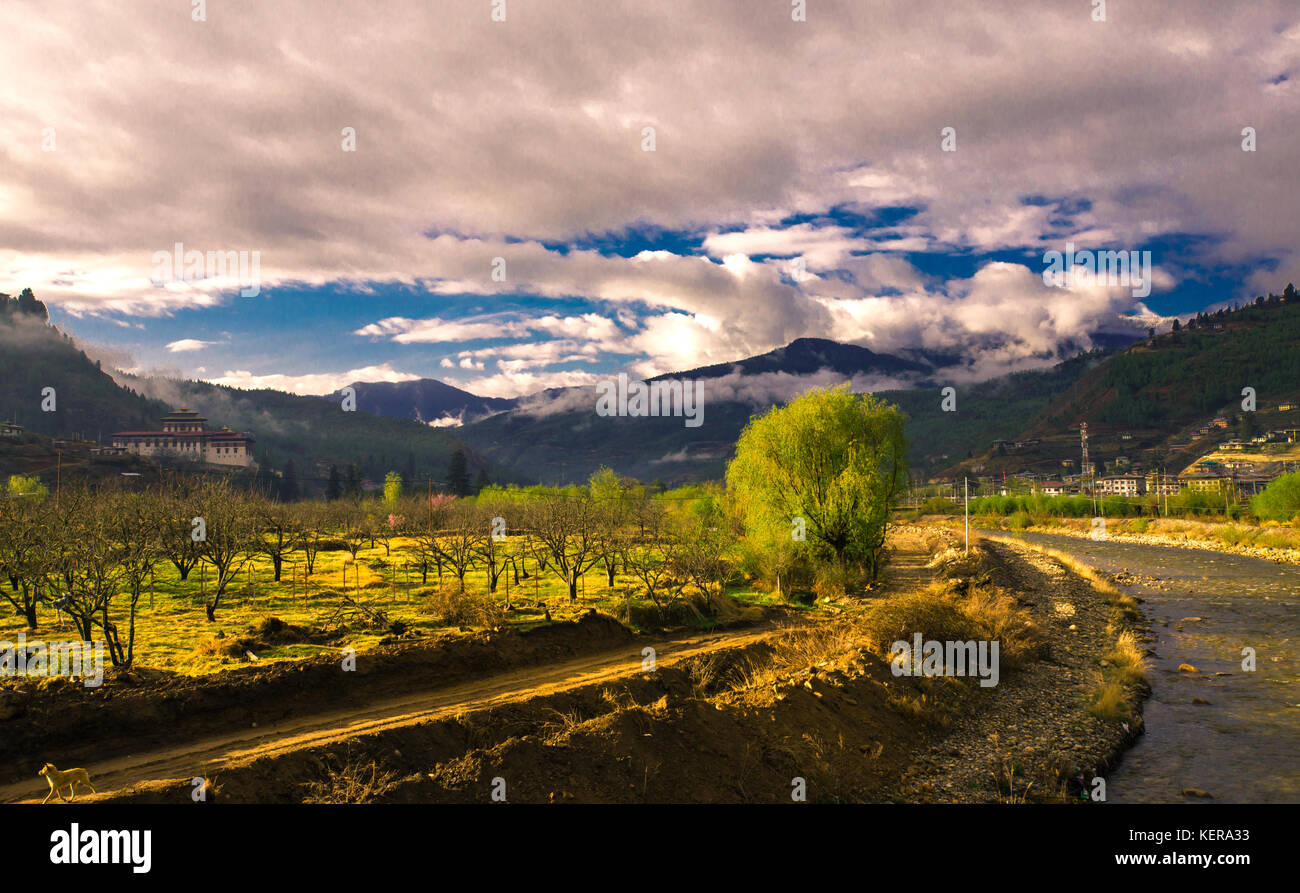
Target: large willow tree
(830, 465)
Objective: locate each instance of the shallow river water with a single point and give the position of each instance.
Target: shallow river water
(1243, 746)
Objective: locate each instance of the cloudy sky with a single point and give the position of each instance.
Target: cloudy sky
(598, 185)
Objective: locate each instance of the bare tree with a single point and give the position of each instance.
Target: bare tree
(564, 538)
(135, 526)
(424, 522)
(460, 543)
(25, 554)
(94, 571)
(176, 536)
(280, 532)
(354, 524)
(313, 520)
(494, 549)
(652, 558)
(229, 536)
(702, 542)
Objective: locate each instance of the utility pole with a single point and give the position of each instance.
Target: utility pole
(965, 482)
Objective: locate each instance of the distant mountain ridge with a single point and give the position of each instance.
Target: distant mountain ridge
(805, 356)
(426, 400)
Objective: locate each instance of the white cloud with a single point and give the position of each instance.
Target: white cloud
(546, 149)
(188, 344)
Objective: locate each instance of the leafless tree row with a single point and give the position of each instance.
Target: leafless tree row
(91, 553)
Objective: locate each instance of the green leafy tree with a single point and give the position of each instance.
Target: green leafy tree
(829, 466)
(392, 488)
(26, 485)
(1280, 500)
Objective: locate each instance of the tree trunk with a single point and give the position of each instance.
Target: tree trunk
(277, 561)
(29, 612)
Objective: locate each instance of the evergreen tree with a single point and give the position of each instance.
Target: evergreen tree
(458, 474)
(28, 304)
(289, 483)
(267, 483)
(408, 474)
(334, 489)
(352, 487)
(482, 481)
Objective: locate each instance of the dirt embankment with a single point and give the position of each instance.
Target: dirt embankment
(62, 720)
(682, 733)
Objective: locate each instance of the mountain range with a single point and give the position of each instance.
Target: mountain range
(1151, 388)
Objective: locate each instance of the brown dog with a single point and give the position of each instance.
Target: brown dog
(69, 779)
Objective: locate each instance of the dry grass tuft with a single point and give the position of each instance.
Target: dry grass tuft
(1109, 703)
(354, 781)
(1126, 661)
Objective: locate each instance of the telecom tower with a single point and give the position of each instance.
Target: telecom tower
(1085, 470)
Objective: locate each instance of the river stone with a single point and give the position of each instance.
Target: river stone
(1187, 668)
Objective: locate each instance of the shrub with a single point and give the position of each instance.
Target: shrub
(455, 608)
(1280, 500)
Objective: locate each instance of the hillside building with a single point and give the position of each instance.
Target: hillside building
(184, 435)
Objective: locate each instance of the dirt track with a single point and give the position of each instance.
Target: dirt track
(208, 757)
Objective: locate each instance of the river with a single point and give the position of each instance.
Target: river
(1243, 746)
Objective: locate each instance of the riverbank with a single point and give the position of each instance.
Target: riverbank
(1271, 543)
(1053, 729)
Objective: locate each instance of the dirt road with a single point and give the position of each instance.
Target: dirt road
(208, 757)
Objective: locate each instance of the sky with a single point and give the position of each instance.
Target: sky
(534, 194)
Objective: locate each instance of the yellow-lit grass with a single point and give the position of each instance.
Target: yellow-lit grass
(173, 633)
(1127, 663)
(1109, 703)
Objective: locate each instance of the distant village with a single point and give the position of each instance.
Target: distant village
(1217, 471)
